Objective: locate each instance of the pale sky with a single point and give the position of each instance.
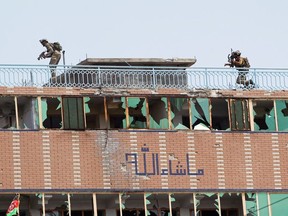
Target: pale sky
(204, 29)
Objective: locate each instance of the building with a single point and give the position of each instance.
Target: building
(143, 137)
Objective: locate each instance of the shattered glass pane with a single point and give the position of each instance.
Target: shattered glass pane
(7, 113)
(207, 199)
(264, 116)
(279, 204)
(263, 204)
(282, 114)
(251, 204)
(95, 113)
(116, 112)
(158, 113)
(240, 114)
(179, 113)
(27, 113)
(137, 113)
(200, 108)
(51, 112)
(158, 204)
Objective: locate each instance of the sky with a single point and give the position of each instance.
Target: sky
(202, 29)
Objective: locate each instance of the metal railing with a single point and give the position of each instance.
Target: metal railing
(140, 77)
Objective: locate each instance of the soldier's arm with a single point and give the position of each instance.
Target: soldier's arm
(237, 63)
(49, 51)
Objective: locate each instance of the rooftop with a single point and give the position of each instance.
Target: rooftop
(151, 62)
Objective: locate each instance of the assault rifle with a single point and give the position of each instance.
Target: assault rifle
(42, 55)
(231, 56)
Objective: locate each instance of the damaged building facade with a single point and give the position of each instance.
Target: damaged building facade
(114, 151)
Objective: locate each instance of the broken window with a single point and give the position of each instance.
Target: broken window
(264, 117)
(129, 206)
(279, 204)
(202, 200)
(282, 114)
(158, 113)
(182, 201)
(116, 112)
(73, 114)
(231, 204)
(263, 203)
(200, 110)
(109, 202)
(7, 113)
(239, 109)
(158, 204)
(137, 112)
(28, 115)
(251, 203)
(179, 113)
(51, 112)
(220, 114)
(95, 113)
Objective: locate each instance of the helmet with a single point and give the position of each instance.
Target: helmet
(43, 41)
(237, 53)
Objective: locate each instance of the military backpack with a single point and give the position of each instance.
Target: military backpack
(246, 63)
(57, 46)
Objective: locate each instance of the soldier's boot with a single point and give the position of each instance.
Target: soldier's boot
(53, 77)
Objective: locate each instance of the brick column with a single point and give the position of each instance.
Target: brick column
(248, 161)
(276, 161)
(16, 160)
(192, 160)
(76, 158)
(163, 159)
(46, 159)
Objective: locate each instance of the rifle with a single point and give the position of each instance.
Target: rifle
(42, 55)
(231, 56)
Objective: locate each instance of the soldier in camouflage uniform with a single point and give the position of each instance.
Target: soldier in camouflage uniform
(52, 53)
(242, 65)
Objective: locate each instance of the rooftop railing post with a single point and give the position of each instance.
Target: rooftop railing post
(31, 78)
(206, 78)
(154, 78)
(99, 76)
(254, 76)
(65, 75)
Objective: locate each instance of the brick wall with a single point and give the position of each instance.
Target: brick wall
(57, 159)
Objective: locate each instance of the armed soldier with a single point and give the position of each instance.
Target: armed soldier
(242, 65)
(53, 51)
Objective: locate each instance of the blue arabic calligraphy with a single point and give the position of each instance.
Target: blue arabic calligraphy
(132, 158)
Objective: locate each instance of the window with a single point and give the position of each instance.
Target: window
(158, 113)
(220, 114)
(116, 112)
(51, 112)
(7, 113)
(73, 113)
(137, 113)
(282, 114)
(28, 114)
(239, 114)
(95, 113)
(264, 116)
(200, 109)
(179, 113)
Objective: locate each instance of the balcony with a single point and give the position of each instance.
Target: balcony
(97, 76)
